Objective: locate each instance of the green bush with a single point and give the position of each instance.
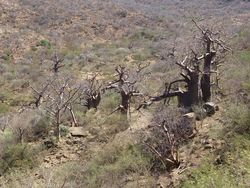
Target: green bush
(116, 162)
(4, 108)
(115, 123)
(239, 116)
(233, 172)
(245, 56)
(64, 130)
(44, 43)
(144, 34)
(7, 56)
(209, 175)
(16, 156)
(110, 102)
(40, 129)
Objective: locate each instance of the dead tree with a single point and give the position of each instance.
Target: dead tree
(39, 95)
(63, 93)
(91, 93)
(187, 96)
(57, 63)
(190, 76)
(21, 123)
(197, 82)
(125, 84)
(166, 132)
(213, 45)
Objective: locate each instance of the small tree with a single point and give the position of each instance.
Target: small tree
(91, 90)
(21, 123)
(125, 84)
(57, 63)
(39, 95)
(62, 94)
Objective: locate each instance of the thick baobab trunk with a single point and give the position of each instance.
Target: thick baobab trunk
(124, 102)
(183, 99)
(205, 79)
(94, 101)
(193, 89)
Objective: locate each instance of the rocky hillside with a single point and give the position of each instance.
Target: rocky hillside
(82, 89)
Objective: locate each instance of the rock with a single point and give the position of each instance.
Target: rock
(122, 13)
(210, 108)
(68, 136)
(49, 143)
(209, 146)
(77, 141)
(46, 160)
(219, 144)
(66, 156)
(68, 142)
(94, 130)
(91, 138)
(190, 116)
(78, 132)
(219, 160)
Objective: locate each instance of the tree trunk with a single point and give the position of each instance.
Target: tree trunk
(73, 117)
(125, 102)
(21, 134)
(183, 99)
(96, 100)
(93, 101)
(205, 79)
(193, 89)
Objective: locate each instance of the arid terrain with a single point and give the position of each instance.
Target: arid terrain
(92, 93)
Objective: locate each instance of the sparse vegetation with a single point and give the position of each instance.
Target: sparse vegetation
(230, 167)
(115, 163)
(124, 93)
(44, 43)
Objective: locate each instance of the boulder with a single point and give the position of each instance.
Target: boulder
(78, 132)
(210, 108)
(50, 143)
(190, 116)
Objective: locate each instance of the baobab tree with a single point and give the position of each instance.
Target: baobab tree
(57, 63)
(187, 96)
(214, 47)
(126, 85)
(196, 71)
(91, 90)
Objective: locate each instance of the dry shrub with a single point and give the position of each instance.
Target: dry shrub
(169, 129)
(22, 124)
